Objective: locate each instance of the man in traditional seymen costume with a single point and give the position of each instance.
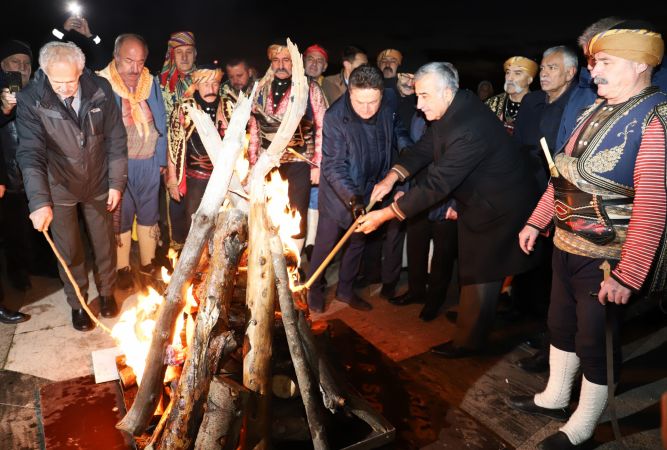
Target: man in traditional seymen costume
(189, 164)
(608, 205)
(299, 164)
(138, 95)
(519, 73)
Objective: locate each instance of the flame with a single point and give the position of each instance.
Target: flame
(286, 221)
(134, 331)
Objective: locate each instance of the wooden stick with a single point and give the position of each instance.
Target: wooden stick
(547, 154)
(74, 284)
(303, 375)
(348, 234)
(148, 395)
(220, 425)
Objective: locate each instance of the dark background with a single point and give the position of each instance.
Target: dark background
(476, 37)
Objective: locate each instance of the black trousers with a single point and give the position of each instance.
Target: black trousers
(577, 319)
(385, 245)
(477, 311)
(192, 199)
(328, 233)
(298, 176)
(99, 226)
(444, 234)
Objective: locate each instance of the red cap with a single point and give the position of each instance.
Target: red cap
(317, 48)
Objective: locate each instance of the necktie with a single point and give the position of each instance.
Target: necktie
(70, 109)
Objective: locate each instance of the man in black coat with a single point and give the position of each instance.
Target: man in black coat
(471, 159)
(73, 153)
(362, 134)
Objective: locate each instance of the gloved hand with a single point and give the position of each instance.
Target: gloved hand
(357, 207)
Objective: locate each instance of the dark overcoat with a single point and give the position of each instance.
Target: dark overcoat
(348, 167)
(470, 157)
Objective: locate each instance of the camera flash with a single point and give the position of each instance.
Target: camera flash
(74, 8)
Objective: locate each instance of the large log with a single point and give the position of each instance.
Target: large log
(229, 242)
(258, 343)
(260, 285)
(222, 420)
(148, 395)
(307, 387)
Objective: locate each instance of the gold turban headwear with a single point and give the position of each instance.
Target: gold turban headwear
(390, 53)
(274, 49)
(203, 76)
(527, 64)
(640, 46)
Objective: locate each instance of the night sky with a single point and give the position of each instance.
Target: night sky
(475, 38)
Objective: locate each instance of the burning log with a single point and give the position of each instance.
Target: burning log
(148, 395)
(229, 242)
(222, 420)
(304, 377)
(260, 286)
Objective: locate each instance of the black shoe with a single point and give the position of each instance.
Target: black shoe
(452, 316)
(108, 306)
(429, 312)
(405, 299)
(124, 278)
(357, 302)
(148, 277)
(537, 363)
(558, 441)
(12, 317)
(81, 321)
(388, 290)
(526, 403)
(449, 350)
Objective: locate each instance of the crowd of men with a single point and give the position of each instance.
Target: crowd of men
(537, 190)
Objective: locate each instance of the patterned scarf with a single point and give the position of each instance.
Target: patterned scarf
(170, 76)
(140, 94)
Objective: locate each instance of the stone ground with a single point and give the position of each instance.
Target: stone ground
(434, 403)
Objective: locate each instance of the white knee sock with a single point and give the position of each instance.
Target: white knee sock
(147, 237)
(313, 216)
(123, 250)
(592, 402)
(563, 367)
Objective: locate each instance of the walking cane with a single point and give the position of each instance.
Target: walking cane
(350, 231)
(76, 286)
(609, 345)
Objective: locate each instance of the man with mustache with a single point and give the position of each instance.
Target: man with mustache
(271, 103)
(139, 97)
(189, 164)
(519, 73)
(609, 204)
(315, 62)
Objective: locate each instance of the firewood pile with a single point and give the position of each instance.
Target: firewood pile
(250, 373)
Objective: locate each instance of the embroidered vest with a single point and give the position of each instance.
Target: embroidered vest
(595, 190)
(303, 140)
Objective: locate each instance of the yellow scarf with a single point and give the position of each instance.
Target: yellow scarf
(140, 94)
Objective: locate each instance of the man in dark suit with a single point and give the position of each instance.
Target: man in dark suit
(362, 133)
(471, 159)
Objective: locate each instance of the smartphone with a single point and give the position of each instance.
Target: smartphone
(14, 81)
